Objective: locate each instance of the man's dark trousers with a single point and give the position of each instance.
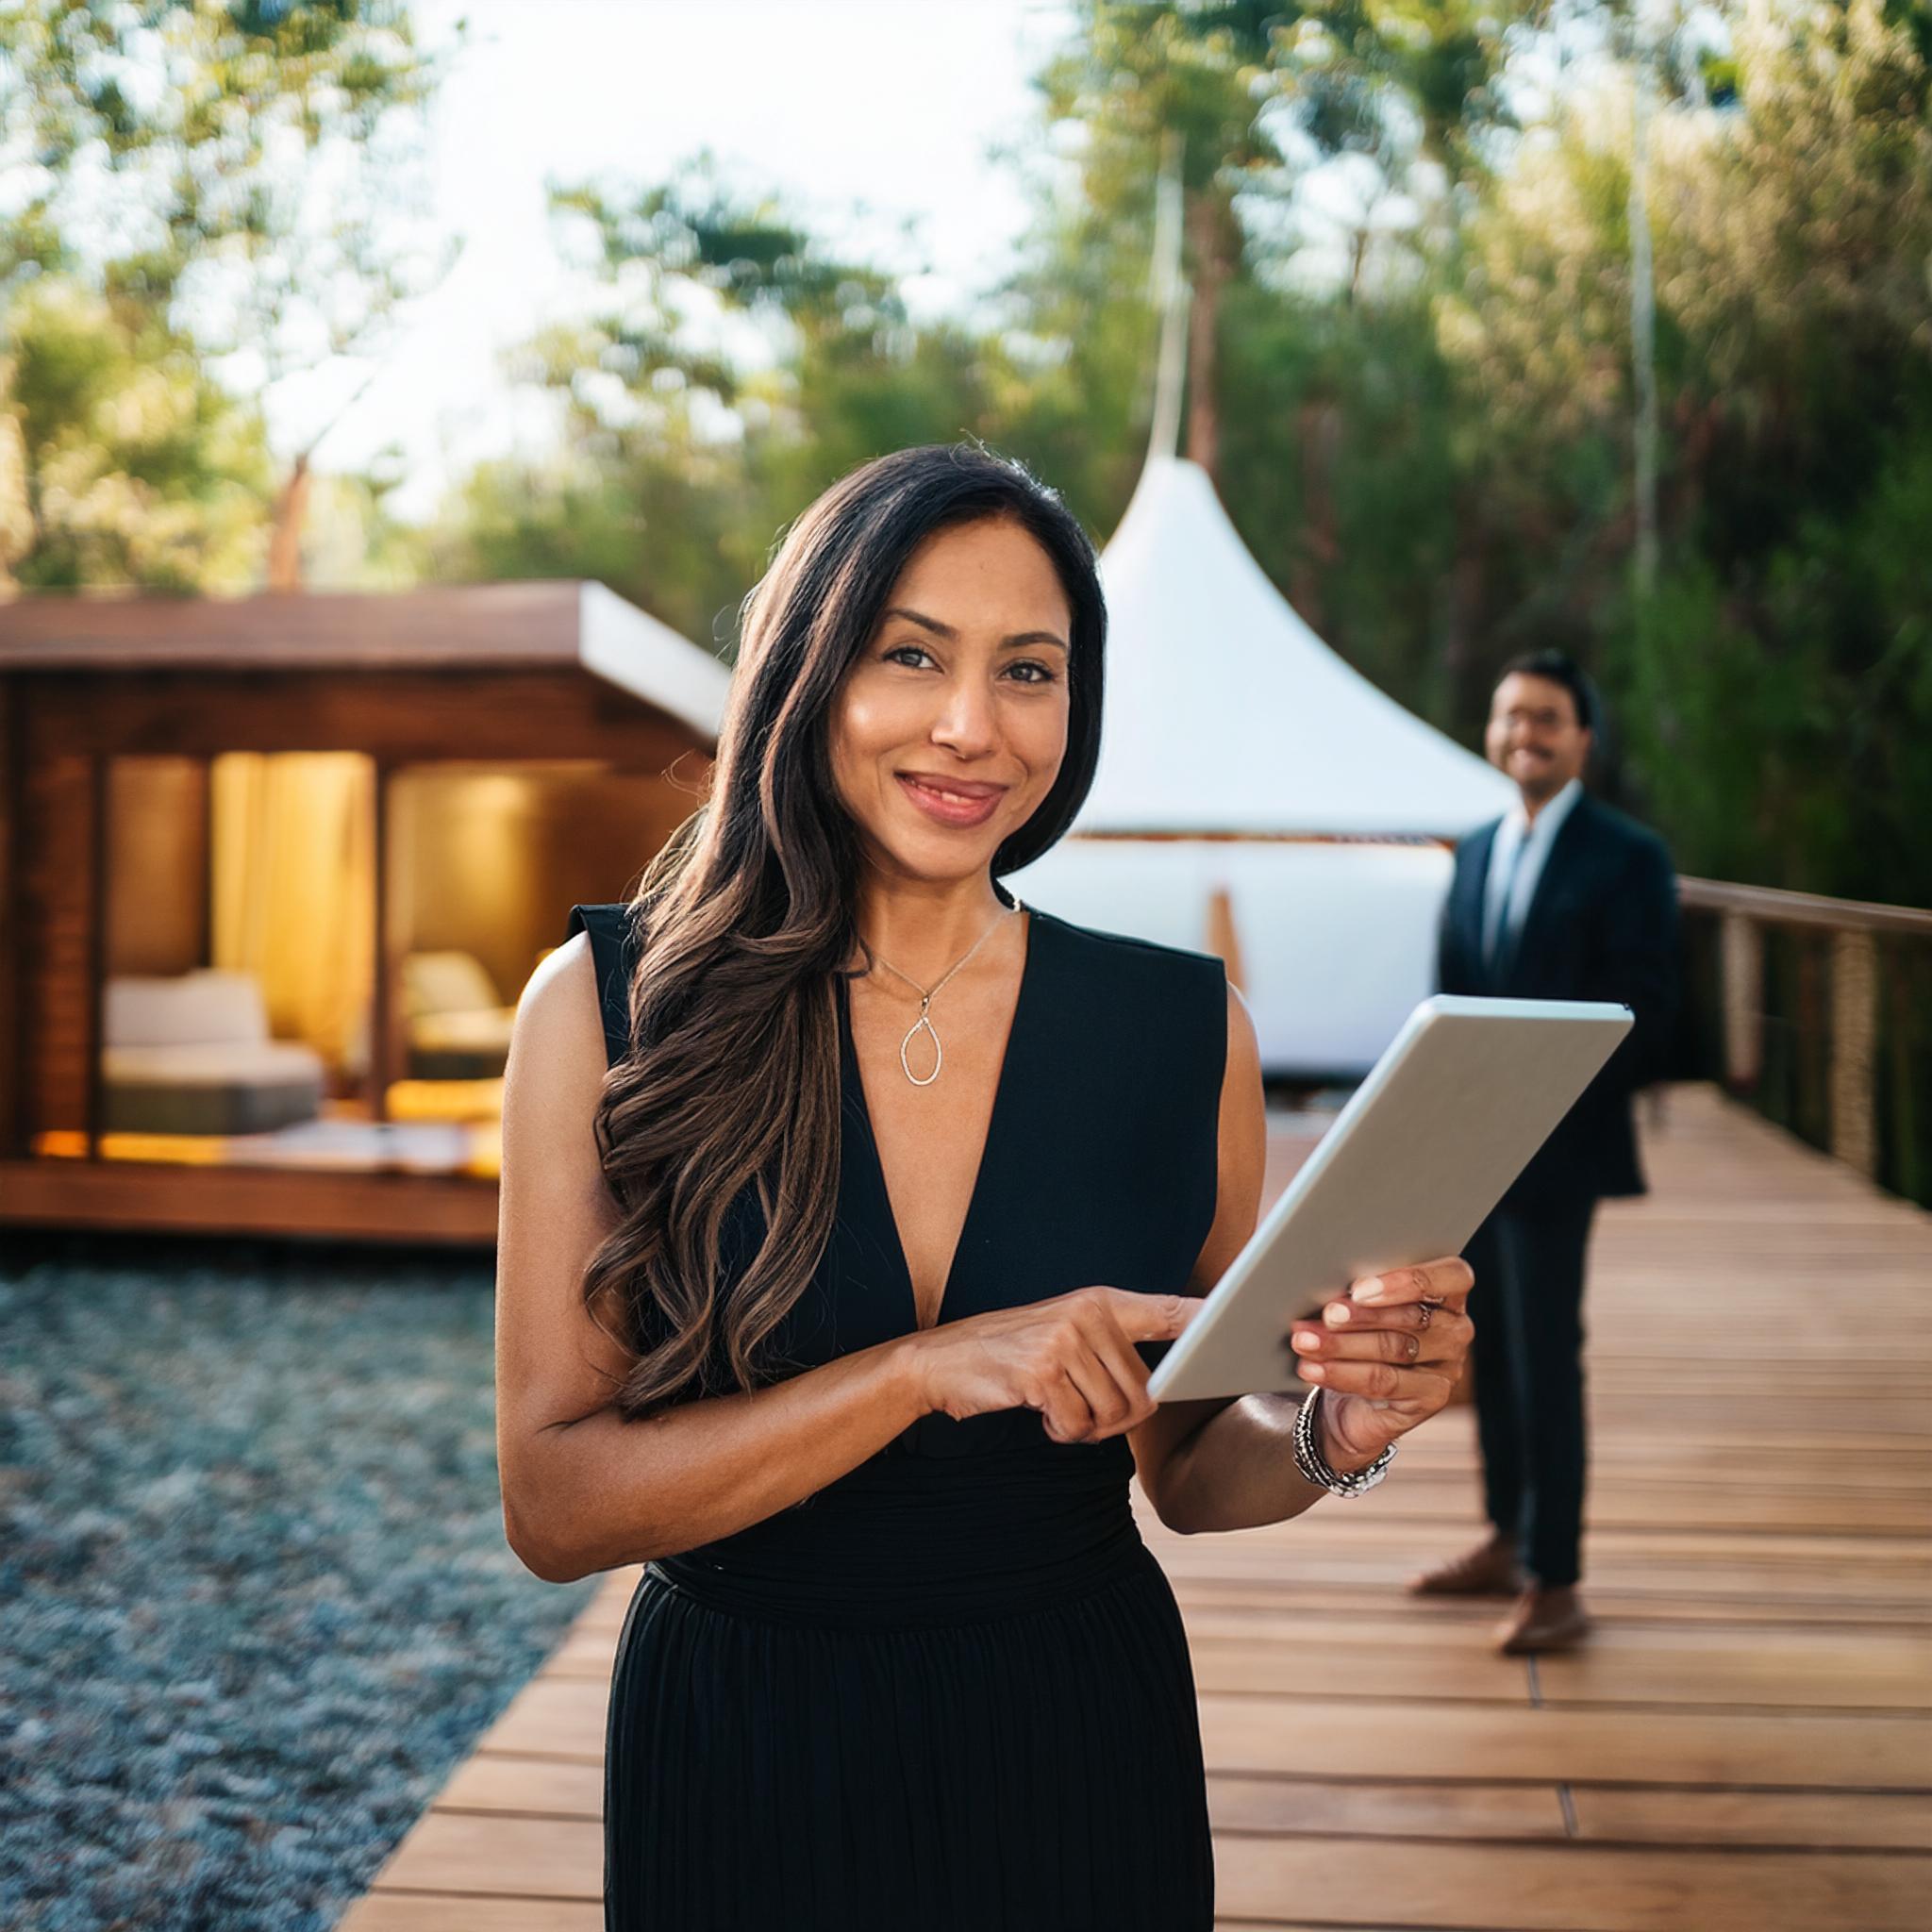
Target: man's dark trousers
(1528, 1308)
(1602, 924)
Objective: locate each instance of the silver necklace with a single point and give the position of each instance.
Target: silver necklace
(924, 1023)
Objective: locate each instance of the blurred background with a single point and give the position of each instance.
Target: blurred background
(396, 401)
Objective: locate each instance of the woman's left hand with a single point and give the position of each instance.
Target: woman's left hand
(1388, 1353)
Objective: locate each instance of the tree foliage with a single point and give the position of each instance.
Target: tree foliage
(202, 198)
(1408, 234)
(133, 469)
(1774, 692)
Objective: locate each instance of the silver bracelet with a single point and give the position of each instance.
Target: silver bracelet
(1314, 1465)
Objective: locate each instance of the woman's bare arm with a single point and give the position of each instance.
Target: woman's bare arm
(583, 1490)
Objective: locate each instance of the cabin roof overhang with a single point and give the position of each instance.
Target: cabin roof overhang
(474, 627)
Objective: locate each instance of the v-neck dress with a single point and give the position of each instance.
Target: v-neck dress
(950, 1691)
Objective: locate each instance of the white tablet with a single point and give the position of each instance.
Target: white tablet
(1426, 1145)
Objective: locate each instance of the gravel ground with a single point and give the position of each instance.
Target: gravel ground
(255, 1599)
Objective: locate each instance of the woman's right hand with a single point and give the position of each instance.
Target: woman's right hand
(1072, 1357)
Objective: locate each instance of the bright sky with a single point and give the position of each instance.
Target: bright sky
(864, 113)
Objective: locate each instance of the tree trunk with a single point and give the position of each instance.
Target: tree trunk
(1209, 246)
(285, 539)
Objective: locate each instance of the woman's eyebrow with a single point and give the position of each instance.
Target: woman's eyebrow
(946, 630)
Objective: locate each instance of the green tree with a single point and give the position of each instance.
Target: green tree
(1144, 84)
(205, 195)
(735, 367)
(1775, 689)
(135, 471)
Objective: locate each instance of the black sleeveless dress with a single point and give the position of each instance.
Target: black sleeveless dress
(950, 1691)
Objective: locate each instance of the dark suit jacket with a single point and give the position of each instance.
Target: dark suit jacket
(1603, 925)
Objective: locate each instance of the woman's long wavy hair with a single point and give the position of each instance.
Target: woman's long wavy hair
(743, 922)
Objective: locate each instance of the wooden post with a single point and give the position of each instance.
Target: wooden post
(382, 1066)
(12, 937)
(1224, 940)
(1854, 1039)
(1741, 942)
(99, 770)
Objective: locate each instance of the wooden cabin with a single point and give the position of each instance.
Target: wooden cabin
(274, 872)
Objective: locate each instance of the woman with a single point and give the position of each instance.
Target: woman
(841, 1318)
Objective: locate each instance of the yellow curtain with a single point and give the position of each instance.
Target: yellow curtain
(293, 847)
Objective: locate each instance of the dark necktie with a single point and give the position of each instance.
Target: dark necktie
(1498, 944)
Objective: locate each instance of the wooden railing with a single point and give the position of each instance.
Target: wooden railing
(1818, 1012)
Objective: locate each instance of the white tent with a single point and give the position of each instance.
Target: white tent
(1225, 713)
(1236, 750)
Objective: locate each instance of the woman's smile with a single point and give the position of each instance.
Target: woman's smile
(952, 801)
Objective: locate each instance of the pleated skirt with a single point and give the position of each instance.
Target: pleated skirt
(1036, 1768)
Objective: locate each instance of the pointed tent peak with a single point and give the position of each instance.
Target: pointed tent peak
(1164, 478)
(1225, 713)
(1175, 511)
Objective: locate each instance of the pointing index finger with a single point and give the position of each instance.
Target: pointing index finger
(1153, 1317)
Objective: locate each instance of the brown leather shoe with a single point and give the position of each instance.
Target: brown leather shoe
(1543, 1619)
(1488, 1569)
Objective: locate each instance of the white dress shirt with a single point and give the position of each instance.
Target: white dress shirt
(1517, 856)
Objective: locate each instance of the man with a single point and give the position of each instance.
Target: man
(1563, 898)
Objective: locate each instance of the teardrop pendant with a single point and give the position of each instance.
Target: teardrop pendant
(939, 1053)
(925, 993)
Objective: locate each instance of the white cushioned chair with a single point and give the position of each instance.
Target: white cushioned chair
(458, 1027)
(191, 1053)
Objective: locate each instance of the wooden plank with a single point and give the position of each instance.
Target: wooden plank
(495, 714)
(1340, 1737)
(1451, 1671)
(455, 626)
(1881, 1671)
(1794, 1592)
(1328, 1528)
(1262, 1596)
(497, 1856)
(1392, 1810)
(1789, 1820)
(1508, 1888)
(1865, 1569)
(1681, 1508)
(553, 1717)
(1619, 1665)
(446, 1210)
(403, 1911)
(538, 1787)
(589, 1651)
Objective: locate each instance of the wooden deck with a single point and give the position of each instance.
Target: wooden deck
(1745, 1744)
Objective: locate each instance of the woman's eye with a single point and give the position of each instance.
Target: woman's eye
(916, 657)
